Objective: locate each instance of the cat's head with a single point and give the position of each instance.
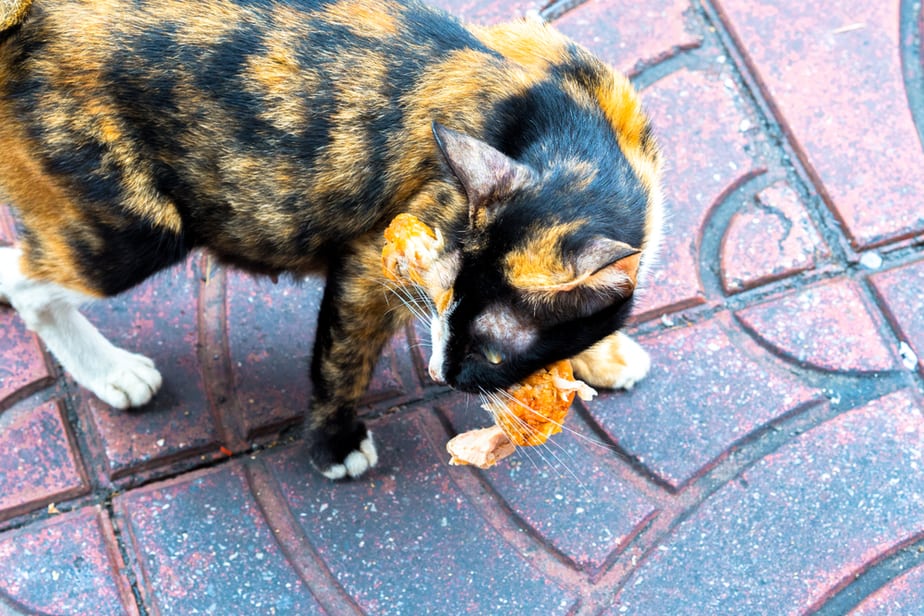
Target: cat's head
(547, 266)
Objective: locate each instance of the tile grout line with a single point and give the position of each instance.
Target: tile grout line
(757, 445)
(510, 526)
(127, 556)
(796, 161)
(101, 494)
(912, 63)
(740, 456)
(889, 326)
(738, 300)
(557, 8)
(717, 219)
(283, 524)
(645, 480)
(213, 352)
(810, 188)
(857, 586)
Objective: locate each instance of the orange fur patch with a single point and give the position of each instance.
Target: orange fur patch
(357, 96)
(43, 205)
(528, 42)
(538, 272)
(282, 82)
(538, 265)
(622, 106)
(365, 18)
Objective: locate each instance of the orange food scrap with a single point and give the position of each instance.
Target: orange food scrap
(411, 248)
(539, 403)
(533, 410)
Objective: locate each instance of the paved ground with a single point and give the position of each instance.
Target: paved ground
(771, 464)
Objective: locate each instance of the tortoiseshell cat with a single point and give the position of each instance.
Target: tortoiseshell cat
(283, 136)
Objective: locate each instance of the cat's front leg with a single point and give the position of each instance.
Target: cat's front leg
(354, 324)
(617, 362)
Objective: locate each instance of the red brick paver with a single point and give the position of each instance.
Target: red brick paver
(826, 326)
(658, 31)
(770, 464)
(769, 238)
(798, 524)
(68, 564)
(44, 466)
(835, 79)
(900, 289)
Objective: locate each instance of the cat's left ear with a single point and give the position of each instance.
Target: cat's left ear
(487, 175)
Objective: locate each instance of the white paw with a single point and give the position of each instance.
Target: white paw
(357, 461)
(616, 362)
(638, 363)
(126, 379)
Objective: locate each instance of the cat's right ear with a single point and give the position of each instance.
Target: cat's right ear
(487, 175)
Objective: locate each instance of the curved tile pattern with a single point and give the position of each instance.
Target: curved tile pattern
(709, 387)
(796, 523)
(406, 540)
(68, 565)
(826, 326)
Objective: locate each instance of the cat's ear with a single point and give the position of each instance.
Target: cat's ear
(607, 264)
(487, 175)
(602, 271)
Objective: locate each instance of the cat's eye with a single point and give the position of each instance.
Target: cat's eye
(493, 356)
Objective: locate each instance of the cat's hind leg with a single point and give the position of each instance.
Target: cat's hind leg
(616, 362)
(118, 377)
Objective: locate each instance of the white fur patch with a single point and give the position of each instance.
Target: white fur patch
(356, 463)
(654, 234)
(337, 471)
(638, 363)
(438, 335)
(439, 338)
(504, 329)
(367, 447)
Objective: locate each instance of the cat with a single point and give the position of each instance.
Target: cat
(282, 136)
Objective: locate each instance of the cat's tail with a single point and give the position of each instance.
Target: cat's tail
(12, 12)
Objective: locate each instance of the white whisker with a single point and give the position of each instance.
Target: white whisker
(413, 298)
(547, 445)
(590, 440)
(495, 406)
(494, 403)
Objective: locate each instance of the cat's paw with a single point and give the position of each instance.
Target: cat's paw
(343, 455)
(356, 462)
(616, 362)
(122, 379)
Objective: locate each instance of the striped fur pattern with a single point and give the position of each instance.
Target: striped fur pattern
(283, 136)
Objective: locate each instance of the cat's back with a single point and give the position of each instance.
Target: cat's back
(275, 130)
(260, 123)
(316, 33)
